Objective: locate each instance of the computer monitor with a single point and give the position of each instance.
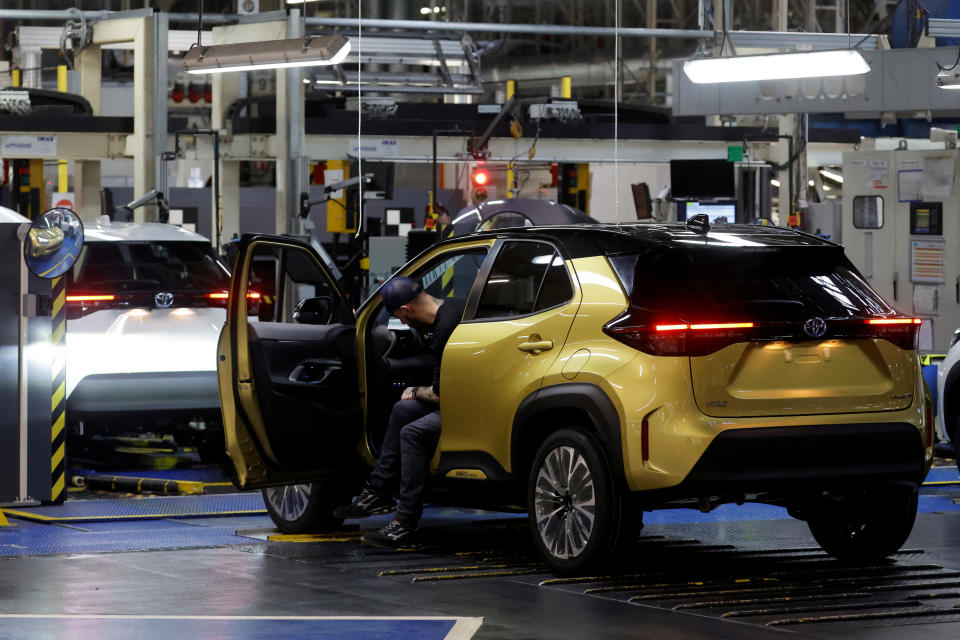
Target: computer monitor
(720, 211)
(702, 179)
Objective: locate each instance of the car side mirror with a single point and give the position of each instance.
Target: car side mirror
(314, 311)
(53, 242)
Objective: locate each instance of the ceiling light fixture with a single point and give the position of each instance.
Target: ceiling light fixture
(836, 177)
(275, 54)
(948, 80)
(777, 66)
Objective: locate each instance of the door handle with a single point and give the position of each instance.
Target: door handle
(535, 344)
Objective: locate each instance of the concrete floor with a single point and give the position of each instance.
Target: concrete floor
(479, 579)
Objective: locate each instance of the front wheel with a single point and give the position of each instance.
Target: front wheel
(303, 508)
(955, 440)
(867, 529)
(575, 509)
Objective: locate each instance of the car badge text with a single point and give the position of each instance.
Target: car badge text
(163, 299)
(815, 327)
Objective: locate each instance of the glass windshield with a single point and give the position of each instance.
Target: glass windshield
(142, 267)
(765, 290)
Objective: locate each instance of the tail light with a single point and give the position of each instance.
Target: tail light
(219, 299)
(902, 332)
(82, 304)
(79, 305)
(676, 338)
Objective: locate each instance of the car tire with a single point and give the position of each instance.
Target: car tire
(304, 508)
(575, 521)
(866, 530)
(955, 440)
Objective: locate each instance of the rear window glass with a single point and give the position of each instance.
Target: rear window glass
(147, 267)
(757, 288)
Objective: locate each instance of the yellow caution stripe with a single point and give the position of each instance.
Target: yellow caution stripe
(58, 443)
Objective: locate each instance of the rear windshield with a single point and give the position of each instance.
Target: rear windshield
(773, 285)
(132, 267)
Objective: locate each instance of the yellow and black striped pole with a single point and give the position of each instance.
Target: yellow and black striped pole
(58, 436)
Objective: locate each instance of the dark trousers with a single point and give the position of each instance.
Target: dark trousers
(412, 436)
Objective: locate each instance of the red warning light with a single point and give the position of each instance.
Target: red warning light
(481, 177)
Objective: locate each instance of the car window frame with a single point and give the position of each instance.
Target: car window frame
(525, 217)
(473, 303)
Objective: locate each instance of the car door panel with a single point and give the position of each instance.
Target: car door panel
(289, 391)
(495, 362)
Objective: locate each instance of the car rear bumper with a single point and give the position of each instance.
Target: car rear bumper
(116, 394)
(804, 459)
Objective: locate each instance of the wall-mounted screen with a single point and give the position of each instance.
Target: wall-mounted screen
(702, 179)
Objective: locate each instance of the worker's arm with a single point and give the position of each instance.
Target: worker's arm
(426, 394)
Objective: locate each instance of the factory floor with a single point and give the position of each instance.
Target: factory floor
(213, 566)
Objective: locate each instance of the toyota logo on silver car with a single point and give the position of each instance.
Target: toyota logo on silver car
(163, 300)
(815, 327)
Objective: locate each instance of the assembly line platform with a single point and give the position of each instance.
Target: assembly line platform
(737, 572)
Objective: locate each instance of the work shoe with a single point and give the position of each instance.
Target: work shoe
(395, 535)
(368, 503)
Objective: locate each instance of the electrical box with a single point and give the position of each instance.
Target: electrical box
(901, 228)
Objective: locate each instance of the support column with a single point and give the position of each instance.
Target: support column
(158, 71)
(779, 15)
(291, 166)
(86, 187)
(787, 125)
(86, 173)
(652, 71)
(227, 88)
(144, 100)
(229, 199)
(142, 145)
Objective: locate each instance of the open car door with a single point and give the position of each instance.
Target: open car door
(286, 363)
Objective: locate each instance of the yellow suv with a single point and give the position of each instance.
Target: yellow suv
(599, 372)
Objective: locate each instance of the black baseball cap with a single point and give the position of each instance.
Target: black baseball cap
(398, 292)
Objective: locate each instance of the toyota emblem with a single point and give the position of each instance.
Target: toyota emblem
(165, 300)
(815, 327)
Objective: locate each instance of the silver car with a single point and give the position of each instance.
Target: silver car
(145, 304)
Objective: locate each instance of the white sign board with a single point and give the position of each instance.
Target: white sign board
(28, 146)
(927, 261)
(375, 148)
(63, 199)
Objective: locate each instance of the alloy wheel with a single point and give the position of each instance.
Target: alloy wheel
(289, 501)
(565, 502)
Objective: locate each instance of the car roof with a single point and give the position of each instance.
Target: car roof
(139, 231)
(539, 212)
(630, 236)
(9, 215)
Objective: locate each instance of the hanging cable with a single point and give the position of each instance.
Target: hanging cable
(359, 118)
(616, 110)
(199, 23)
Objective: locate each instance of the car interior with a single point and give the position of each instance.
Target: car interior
(399, 356)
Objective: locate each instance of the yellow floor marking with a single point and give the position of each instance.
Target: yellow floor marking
(340, 536)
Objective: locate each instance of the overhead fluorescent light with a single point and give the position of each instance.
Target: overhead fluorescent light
(948, 79)
(777, 66)
(836, 177)
(271, 54)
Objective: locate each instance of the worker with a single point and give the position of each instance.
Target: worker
(414, 427)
